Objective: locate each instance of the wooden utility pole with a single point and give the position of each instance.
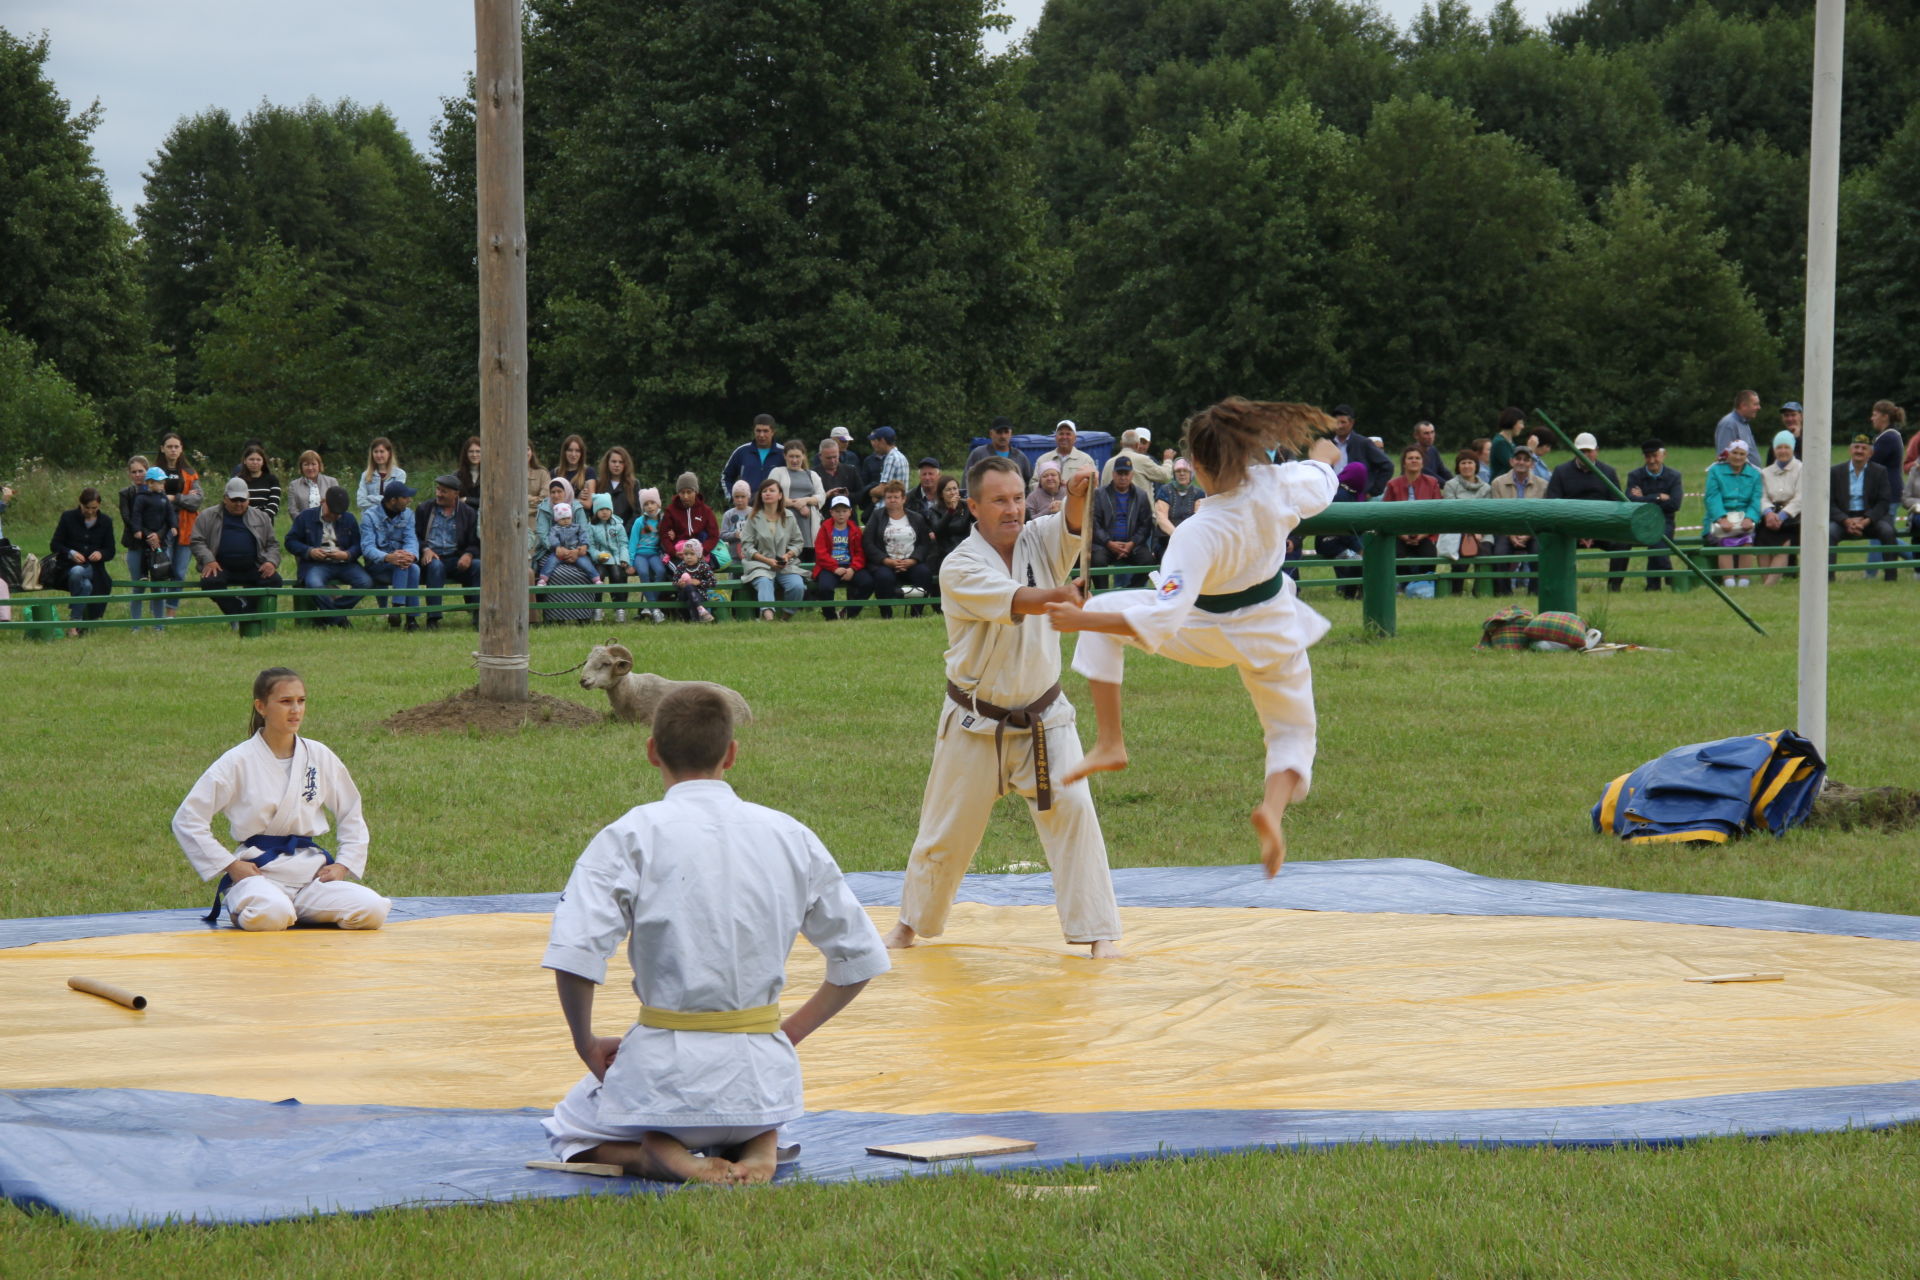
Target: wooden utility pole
(500, 181)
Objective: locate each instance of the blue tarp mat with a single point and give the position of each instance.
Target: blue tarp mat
(1412, 885)
(130, 1157)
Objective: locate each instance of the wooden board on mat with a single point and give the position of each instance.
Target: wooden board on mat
(579, 1166)
(980, 1144)
(1740, 977)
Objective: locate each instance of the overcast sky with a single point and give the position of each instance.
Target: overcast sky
(150, 64)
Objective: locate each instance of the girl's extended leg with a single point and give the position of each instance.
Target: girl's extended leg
(1283, 699)
(1109, 750)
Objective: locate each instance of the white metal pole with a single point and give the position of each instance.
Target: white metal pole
(1823, 224)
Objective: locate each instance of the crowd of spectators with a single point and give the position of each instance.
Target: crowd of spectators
(837, 527)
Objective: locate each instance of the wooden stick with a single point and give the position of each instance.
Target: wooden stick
(981, 1144)
(1740, 977)
(587, 1167)
(105, 991)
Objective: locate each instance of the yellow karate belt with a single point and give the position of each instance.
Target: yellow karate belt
(761, 1020)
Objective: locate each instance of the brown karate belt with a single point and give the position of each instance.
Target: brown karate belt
(1020, 718)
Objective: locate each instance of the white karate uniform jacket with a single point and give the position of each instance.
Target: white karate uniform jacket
(262, 795)
(708, 891)
(1234, 541)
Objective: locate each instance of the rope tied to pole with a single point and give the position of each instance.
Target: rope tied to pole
(519, 662)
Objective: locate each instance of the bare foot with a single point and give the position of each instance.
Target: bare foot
(669, 1161)
(899, 938)
(1102, 759)
(756, 1161)
(1106, 949)
(1273, 841)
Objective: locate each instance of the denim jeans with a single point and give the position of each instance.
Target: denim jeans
(315, 575)
(80, 585)
(650, 569)
(791, 586)
(385, 575)
(439, 571)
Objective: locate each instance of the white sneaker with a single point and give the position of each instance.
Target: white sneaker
(913, 593)
(620, 616)
(1727, 582)
(1746, 582)
(659, 615)
(599, 615)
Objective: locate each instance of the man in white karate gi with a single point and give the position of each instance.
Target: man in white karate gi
(707, 891)
(1004, 723)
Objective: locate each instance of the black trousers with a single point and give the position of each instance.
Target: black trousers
(234, 575)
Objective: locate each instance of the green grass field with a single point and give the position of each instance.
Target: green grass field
(1428, 749)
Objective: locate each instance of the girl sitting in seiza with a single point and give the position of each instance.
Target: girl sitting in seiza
(1222, 599)
(276, 789)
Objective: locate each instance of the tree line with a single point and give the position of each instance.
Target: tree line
(852, 215)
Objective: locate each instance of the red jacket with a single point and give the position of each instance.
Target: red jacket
(678, 523)
(1425, 486)
(823, 561)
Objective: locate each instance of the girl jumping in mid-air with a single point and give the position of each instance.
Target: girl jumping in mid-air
(1222, 599)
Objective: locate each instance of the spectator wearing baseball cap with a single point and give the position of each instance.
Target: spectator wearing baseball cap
(1578, 478)
(1122, 523)
(1793, 419)
(391, 548)
(1657, 484)
(1000, 445)
(887, 464)
(233, 546)
(1065, 456)
(840, 558)
(1146, 472)
(925, 496)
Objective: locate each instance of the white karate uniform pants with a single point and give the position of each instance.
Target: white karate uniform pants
(285, 891)
(1281, 689)
(575, 1126)
(961, 789)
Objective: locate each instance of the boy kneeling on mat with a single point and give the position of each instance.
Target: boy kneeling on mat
(708, 891)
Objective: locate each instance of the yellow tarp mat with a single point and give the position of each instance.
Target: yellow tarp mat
(1213, 1008)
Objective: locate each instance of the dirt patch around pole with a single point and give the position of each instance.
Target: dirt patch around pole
(1843, 808)
(466, 711)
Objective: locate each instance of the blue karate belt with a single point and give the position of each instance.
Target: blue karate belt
(270, 847)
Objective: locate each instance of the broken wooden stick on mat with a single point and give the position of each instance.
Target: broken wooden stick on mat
(1741, 977)
(106, 991)
(980, 1144)
(587, 1167)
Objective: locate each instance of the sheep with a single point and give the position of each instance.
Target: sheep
(634, 695)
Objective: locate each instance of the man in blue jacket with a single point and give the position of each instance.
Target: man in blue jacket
(325, 541)
(752, 461)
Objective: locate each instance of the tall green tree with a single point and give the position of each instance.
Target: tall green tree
(1650, 330)
(735, 208)
(341, 188)
(1217, 270)
(1446, 308)
(68, 274)
(1104, 73)
(42, 414)
(1877, 311)
(280, 363)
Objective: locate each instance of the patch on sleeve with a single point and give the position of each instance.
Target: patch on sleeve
(1171, 585)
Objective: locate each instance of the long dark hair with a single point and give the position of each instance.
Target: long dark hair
(263, 686)
(1227, 438)
(464, 473)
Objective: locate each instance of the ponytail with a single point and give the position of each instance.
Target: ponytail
(1227, 438)
(263, 686)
